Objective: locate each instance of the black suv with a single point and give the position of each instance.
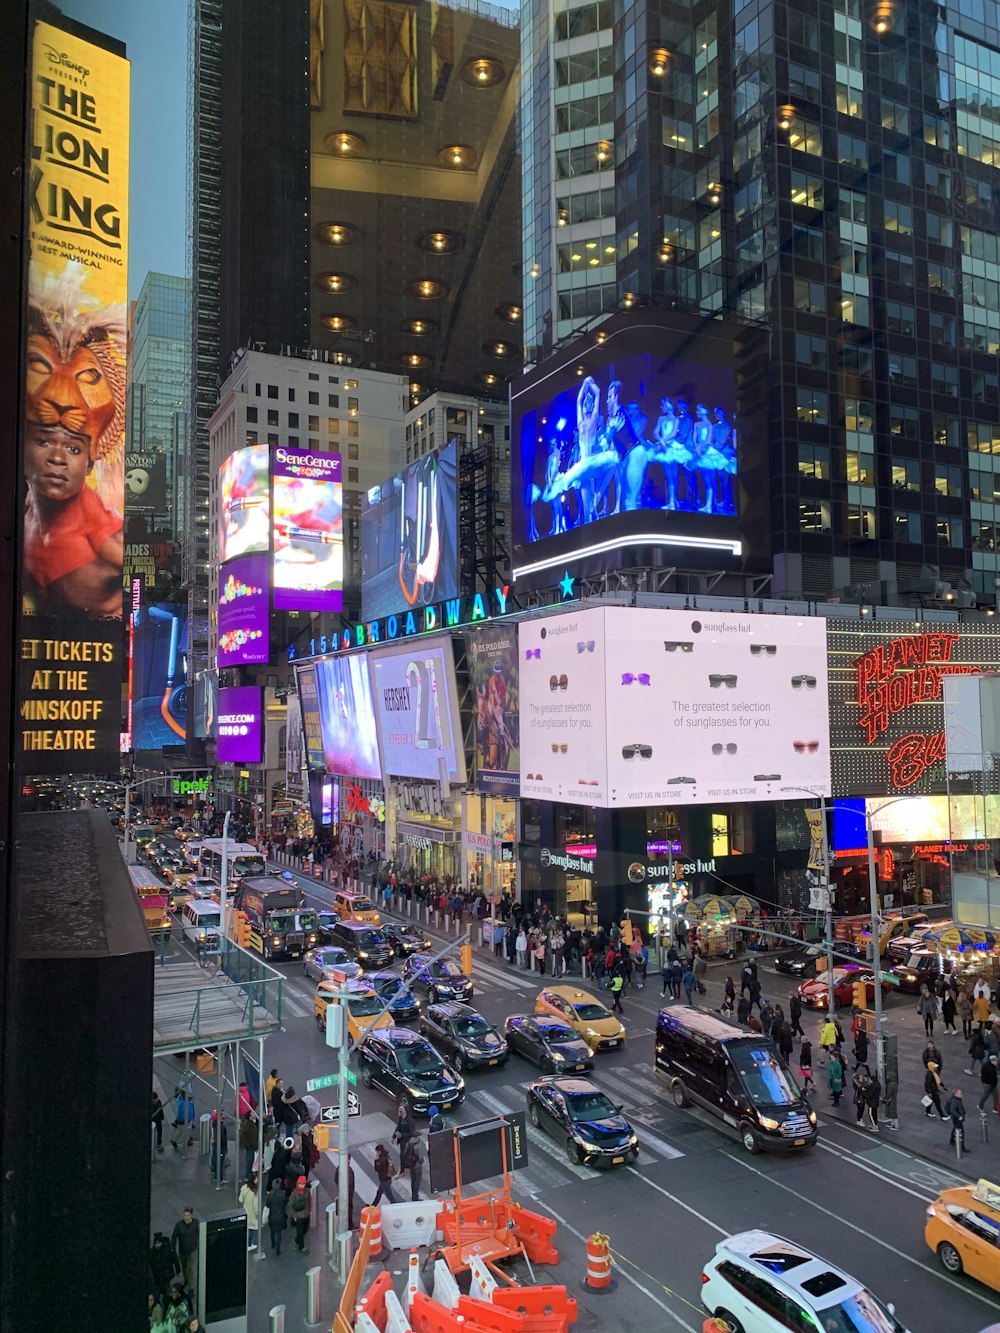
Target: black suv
(405, 939)
(439, 980)
(469, 1041)
(362, 941)
(405, 1065)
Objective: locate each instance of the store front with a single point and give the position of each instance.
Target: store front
(489, 843)
(430, 851)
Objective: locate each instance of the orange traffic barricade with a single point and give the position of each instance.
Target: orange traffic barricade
(599, 1277)
(375, 1214)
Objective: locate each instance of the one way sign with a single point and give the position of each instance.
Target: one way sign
(331, 1114)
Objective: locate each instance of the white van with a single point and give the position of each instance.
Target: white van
(201, 921)
(191, 851)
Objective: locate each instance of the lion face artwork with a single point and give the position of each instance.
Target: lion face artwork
(71, 393)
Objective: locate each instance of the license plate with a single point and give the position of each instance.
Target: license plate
(616, 1160)
(612, 1043)
(579, 1066)
(492, 1062)
(800, 1143)
(446, 1106)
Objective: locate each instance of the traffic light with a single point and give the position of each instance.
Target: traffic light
(627, 932)
(321, 1137)
(467, 959)
(243, 930)
(860, 993)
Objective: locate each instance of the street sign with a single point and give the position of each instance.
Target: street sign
(329, 1115)
(890, 977)
(352, 1078)
(326, 1081)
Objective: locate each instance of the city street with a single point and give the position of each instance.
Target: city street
(855, 1200)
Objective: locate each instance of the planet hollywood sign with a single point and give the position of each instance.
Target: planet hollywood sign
(887, 701)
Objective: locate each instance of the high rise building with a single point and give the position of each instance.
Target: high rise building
(829, 175)
(159, 403)
(415, 189)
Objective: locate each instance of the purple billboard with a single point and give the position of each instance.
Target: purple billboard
(308, 531)
(241, 725)
(243, 612)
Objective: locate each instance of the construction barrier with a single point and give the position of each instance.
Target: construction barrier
(414, 1282)
(365, 1324)
(549, 1309)
(342, 1320)
(535, 1233)
(713, 1325)
(599, 1277)
(445, 1290)
(491, 1317)
(483, 1284)
(396, 1320)
(374, 1215)
(372, 1303)
(426, 1316)
(408, 1224)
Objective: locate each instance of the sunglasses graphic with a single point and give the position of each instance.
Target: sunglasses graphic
(534, 777)
(719, 748)
(587, 647)
(587, 782)
(676, 644)
(758, 648)
(559, 747)
(558, 682)
(674, 782)
(628, 677)
(529, 653)
(716, 681)
(640, 751)
(803, 747)
(803, 682)
(767, 777)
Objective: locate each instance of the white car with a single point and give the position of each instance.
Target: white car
(759, 1283)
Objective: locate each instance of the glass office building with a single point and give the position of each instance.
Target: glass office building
(825, 171)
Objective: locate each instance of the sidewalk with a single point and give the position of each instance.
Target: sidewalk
(917, 1133)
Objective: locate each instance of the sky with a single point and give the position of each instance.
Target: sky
(155, 36)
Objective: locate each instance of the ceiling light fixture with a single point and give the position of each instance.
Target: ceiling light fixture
(658, 61)
(440, 242)
(335, 282)
(345, 143)
(337, 234)
(415, 360)
(419, 327)
(458, 156)
(338, 323)
(427, 289)
(483, 72)
(509, 312)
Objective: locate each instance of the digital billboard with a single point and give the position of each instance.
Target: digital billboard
(244, 503)
(634, 706)
(244, 613)
(241, 725)
(206, 703)
(409, 537)
(305, 678)
(159, 676)
(887, 712)
(347, 717)
(416, 709)
(307, 514)
(493, 673)
(73, 427)
(145, 484)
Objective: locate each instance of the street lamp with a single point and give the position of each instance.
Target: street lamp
(828, 920)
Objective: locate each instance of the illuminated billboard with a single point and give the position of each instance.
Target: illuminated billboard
(493, 673)
(241, 725)
(635, 442)
(145, 484)
(159, 676)
(416, 708)
(244, 503)
(73, 437)
(634, 706)
(409, 537)
(347, 717)
(244, 615)
(305, 677)
(307, 514)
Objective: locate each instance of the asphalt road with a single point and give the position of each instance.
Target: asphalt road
(855, 1200)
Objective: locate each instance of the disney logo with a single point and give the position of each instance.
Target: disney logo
(61, 59)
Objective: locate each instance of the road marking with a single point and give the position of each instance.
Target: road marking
(537, 1136)
(647, 1139)
(812, 1203)
(846, 1155)
(723, 1231)
(681, 1323)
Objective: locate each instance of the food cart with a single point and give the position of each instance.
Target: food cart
(971, 952)
(717, 922)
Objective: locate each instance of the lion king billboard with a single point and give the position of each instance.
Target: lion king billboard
(73, 436)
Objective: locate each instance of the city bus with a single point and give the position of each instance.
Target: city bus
(243, 858)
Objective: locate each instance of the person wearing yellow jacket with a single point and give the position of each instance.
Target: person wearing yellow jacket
(828, 1036)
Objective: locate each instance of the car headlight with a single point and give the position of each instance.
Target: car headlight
(812, 1117)
(588, 1147)
(591, 1032)
(417, 1093)
(362, 955)
(766, 1121)
(633, 1141)
(557, 1055)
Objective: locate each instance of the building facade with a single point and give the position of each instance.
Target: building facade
(827, 174)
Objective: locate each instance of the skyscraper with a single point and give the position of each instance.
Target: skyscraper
(828, 173)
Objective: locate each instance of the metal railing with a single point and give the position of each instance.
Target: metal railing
(240, 997)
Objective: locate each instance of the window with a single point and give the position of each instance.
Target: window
(272, 439)
(803, 30)
(950, 531)
(895, 116)
(938, 180)
(293, 421)
(902, 369)
(809, 296)
(272, 416)
(946, 431)
(256, 390)
(860, 468)
(352, 428)
(352, 451)
(907, 527)
(859, 416)
(314, 423)
(807, 243)
(944, 379)
(860, 521)
(852, 151)
(291, 395)
(904, 422)
(814, 461)
(332, 426)
(251, 414)
(272, 391)
(941, 328)
(814, 516)
(853, 206)
(293, 441)
(810, 351)
(937, 131)
(251, 437)
(804, 136)
(948, 481)
(983, 437)
(812, 406)
(898, 217)
(899, 267)
(941, 278)
(352, 474)
(853, 258)
(352, 404)
(313, 375)
(803, 82)
(900, 318)
(313, 398)
(806, 190)
(348, 384)
(905, 474)
(939, 229)
(896, 167)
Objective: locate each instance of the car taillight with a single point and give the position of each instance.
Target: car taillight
(704, 1278)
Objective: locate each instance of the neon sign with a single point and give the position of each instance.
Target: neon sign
(892, 677)
(359, 804)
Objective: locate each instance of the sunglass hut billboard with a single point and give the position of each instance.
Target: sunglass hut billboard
(887, 700)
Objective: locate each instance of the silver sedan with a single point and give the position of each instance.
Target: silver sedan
(320, 964)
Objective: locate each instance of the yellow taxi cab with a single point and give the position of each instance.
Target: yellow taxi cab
(893, 927)
(963, 1230)
(586, 1015)
(347, 904)
(366, 1011)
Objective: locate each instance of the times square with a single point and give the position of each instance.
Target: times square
(505, 591)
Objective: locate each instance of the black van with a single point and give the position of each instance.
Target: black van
(735, 1075)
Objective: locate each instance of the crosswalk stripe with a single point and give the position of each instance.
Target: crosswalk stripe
(538, 1137)
(293, 1007)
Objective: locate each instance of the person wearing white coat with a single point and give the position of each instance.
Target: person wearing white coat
(248, 1198)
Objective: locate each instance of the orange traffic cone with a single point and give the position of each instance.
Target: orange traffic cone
(599, 1277)
(375, 1242)
(714, 1325)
